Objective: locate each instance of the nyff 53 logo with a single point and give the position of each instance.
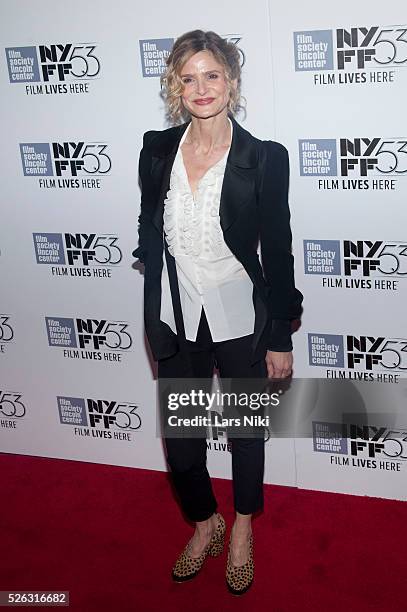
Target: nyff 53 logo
(84, 333)
(235, 39)
(53, 63)
(6, 332)
(6, 328)
(65, 159)
(11, 406)
(98, 414)
(372, 354)
(378, 264)
(94, 339)
(155, 51)
(77, 249)
(352, 48)
(353, 157)
(371, 257)
(360, 441)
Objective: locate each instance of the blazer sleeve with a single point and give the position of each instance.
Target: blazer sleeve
(146, 204)
(285, 300)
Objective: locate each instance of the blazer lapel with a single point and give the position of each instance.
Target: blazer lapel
(238, 181)
(162, 161)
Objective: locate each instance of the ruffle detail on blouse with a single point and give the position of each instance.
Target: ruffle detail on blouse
(185, 216)
(178, 227)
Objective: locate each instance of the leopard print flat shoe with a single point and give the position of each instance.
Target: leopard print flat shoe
(187, 567)
(239, 579)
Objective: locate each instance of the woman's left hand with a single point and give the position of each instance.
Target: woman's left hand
(279, 364)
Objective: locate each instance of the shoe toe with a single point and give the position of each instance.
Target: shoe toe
(187, 567)
(239, 579)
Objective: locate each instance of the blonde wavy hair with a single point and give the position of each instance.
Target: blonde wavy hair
(225, 53)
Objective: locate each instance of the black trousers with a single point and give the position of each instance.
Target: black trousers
(187, 456)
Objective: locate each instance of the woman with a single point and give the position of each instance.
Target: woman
(210, 190)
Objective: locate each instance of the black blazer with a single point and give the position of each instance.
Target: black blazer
(253, 206)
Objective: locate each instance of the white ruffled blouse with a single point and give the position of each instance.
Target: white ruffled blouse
(209, 275)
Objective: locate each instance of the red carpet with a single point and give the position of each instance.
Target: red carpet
(110, 535)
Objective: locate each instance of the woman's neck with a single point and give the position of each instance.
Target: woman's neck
(206, 135)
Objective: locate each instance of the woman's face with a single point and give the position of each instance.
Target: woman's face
(206, 92)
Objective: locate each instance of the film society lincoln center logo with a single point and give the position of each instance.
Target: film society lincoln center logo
(155, 51)
(78, 255)
(92, 339)
(53, 68)
(353, 55)
(357, 264)
(354, 164)
(99, 418)
(364, 446)
(66, 165)
(365, 358)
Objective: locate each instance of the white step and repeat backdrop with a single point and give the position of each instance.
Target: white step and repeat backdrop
(78, 89)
